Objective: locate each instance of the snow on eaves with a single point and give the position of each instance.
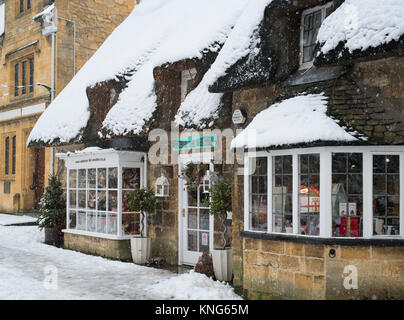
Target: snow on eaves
(362, 24)
(201, 106)
(301, 119)
(155, 33)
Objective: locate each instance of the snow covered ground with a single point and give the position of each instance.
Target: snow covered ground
(30, 269)
(9, 219)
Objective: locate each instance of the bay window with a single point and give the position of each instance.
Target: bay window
(360, 195)
(97, 190)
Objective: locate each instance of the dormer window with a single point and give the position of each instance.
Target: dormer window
(310, 25)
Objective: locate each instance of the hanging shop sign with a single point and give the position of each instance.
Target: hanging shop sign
(239, 117)
(195, 142)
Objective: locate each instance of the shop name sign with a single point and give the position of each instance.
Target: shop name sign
(90, 160)
(195, 142)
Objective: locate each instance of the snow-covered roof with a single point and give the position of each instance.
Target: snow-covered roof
(301, 119)
(155, 33)
(362, 24)
(200, 105)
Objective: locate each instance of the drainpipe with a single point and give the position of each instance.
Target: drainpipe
(53, 94)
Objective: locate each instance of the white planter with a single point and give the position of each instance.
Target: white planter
(223, 264)
(140, 248)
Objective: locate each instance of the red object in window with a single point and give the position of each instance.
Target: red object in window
(343, 226)
(354, 226)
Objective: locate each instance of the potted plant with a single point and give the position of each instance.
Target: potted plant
(220, 203)
(142, 201)
(53, 212)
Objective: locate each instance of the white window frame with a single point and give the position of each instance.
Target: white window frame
(323, 8)
(105, 159)
(326, 187)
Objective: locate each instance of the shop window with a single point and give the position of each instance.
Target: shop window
(93, 200)
(347, 194)
(386, 195)
(24, 76)
(310, 25)
(282, 193)
(258, 194)
(309, 194)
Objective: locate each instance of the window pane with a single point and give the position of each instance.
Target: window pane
(72, 179)
(24, 77)
(81, 220)
(92, 199)
(113, 178)
(282, 195)
(192, 241)
(309, 194)
(31, 74)
(91, 221)
(204, 219)
(72, 219)
(101, 222)
(82, 199)
(82, 178)
(102, 201)
(112, 201)
(102, 178)
(7, 156)
(16, 79)
(112, 223)
(258, 195)
(72, 199)
(131, 223)
(347, 189)
(130, 178)
(386, 195)
(13, 155)
(92, 178)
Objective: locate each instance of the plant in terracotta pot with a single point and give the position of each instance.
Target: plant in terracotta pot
(143, 201)
(220, 203)
(53, 212)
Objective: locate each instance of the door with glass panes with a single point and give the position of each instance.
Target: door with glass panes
(196, 232)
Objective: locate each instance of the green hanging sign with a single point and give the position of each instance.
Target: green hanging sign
(195, 142)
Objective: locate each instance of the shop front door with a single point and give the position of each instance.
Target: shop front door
(195, 222)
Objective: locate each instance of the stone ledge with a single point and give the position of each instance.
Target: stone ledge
(325, 241)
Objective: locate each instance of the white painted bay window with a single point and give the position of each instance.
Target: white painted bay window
(360, 191)
(99, 182)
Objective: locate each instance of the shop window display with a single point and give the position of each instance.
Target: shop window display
(258, 195)
(386, 195)
(309, 194)
(282, 190)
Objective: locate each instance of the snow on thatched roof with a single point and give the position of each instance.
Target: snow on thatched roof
(362, 24)
(301, 119)
(201, 106)
(156, 32)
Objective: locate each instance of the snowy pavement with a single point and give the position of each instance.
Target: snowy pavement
(30, 269)
(10, 219)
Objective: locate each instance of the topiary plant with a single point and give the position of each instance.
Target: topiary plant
(142, 200)
(53, 207)
(220, 203)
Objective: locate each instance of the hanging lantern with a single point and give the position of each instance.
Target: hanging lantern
(162, 187)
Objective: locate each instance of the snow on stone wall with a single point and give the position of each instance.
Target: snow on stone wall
(362, 24)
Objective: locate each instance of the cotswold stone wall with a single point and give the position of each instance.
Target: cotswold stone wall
(368, 98)
(276, 269)
(113, 249)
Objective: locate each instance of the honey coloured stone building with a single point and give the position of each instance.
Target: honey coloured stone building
(298, 103)
(26, 81)
(319, 213)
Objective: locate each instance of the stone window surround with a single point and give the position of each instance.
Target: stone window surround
(307, 65)
(325, 182)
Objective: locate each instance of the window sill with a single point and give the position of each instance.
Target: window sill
(97, 235)
(376, 241)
